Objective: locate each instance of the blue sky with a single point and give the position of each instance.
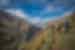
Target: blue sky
(43, 9)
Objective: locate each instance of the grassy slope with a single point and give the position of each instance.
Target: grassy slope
(64, 40)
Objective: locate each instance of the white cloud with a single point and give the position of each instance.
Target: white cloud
(50, 19)
(19, 13)
(57, 17)
(67, 13)
(49, 8)
(35, 20)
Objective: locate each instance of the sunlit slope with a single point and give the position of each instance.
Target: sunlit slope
(38, 41)
(53, 39)
(69, 37)
(46, 39)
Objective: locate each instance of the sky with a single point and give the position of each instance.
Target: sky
(39, 9)
(44, 8)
